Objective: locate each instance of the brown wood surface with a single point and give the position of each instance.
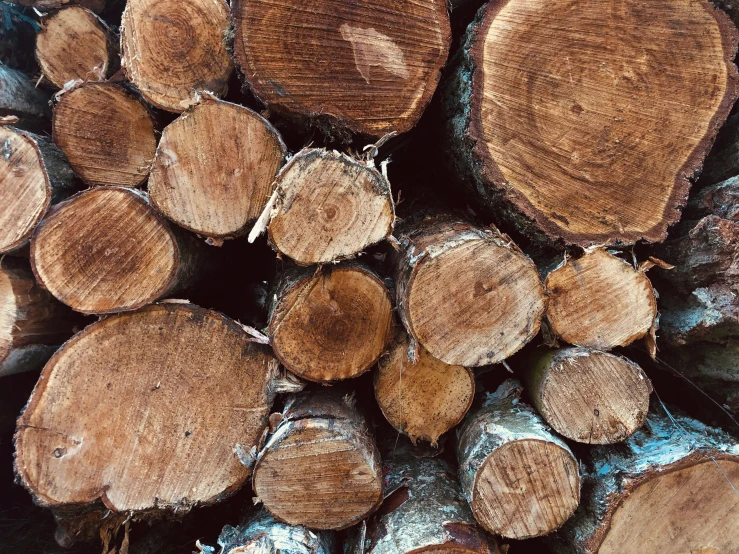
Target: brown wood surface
(95, 5)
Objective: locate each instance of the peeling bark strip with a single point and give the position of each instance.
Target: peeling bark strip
(156, 35)
(20, 98)
(586, 395)
(215, 167)
(320, 467)
(599, 301)
(603, 155)
(329, 207)
(520, 479)
(331, 323)
(466, 294)
(666, 489)
(106, 250)
(120, 415)
(362, 66)
(34, 174)
(106, 133)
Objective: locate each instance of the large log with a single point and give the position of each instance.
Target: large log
(362, 66)
(596, 150)
(21, 100)
(520, 479)
(320, 467)
(669, 488)
(106, 250)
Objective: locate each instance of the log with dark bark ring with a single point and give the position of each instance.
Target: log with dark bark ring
(21, 100)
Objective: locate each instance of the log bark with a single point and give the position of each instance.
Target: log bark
(96, 6)
(320, 467)
(75, 44)
(567, 161)
(121, 416)
(466, 294)
(20, 99)
(329, 207)
(17, 38)
(599, 301)
(107, 134)
(330, 323)
(364, 67)
(425, 399)
(35, 175)
(519, 478)
(32, 322)
(587, 396)
(156, 34)
(215, 167)
(666, 489)
(106, 250)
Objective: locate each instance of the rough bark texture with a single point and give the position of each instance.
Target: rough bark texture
(215, 167)
(45, 5)
(365, 66)
(106, 250)
(596, 152)
(520, 479)
(586, 395)
(320, 467)
(17, 38)
(330, 323)
(107, 134)
(20, 99)
(328, 207)
(668, 488)
(34, 175)
(156, 34)
(465, 293)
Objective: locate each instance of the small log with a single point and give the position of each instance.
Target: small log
(666, 489)
(364, 67)
(17, 38)
(106, 250)
(75, 44)
(121, 416)
(173, 49)
(331, 323)
(329, 207)
(566, 160)
(520, 479)
(214, 168)
(34, 174)
(107, 134)
(96, 6)
(425, 399)
(465, 293)
(599, 301)
(588, 396)
(20, 99)
(320, 467)
(32, 322)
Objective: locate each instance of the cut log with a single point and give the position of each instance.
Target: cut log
(466, 294)
(596, 151)
(75, 44)
(34, 174)
(363, 66)
(425, 399)
(46, 5)
(600, 301)
(666, 489)
(17, 38)
(106, 250)
(214, 168)
(173, 49)
(331, 323)
(122, 416)
(329, 207)
(520, 479)
(20, 99)
(586, 395)
(320, 467)
(107, 134)
(32, 322)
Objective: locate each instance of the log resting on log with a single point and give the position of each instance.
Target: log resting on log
(520, 479)
(20, 99)
(320, 467)
(668, 488)
(596, 152)
(364, 66)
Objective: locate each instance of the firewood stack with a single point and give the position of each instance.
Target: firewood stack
(385, 333)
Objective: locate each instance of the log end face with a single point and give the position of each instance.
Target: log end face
(8, 315)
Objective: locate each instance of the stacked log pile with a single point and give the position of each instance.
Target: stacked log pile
(381, 271)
